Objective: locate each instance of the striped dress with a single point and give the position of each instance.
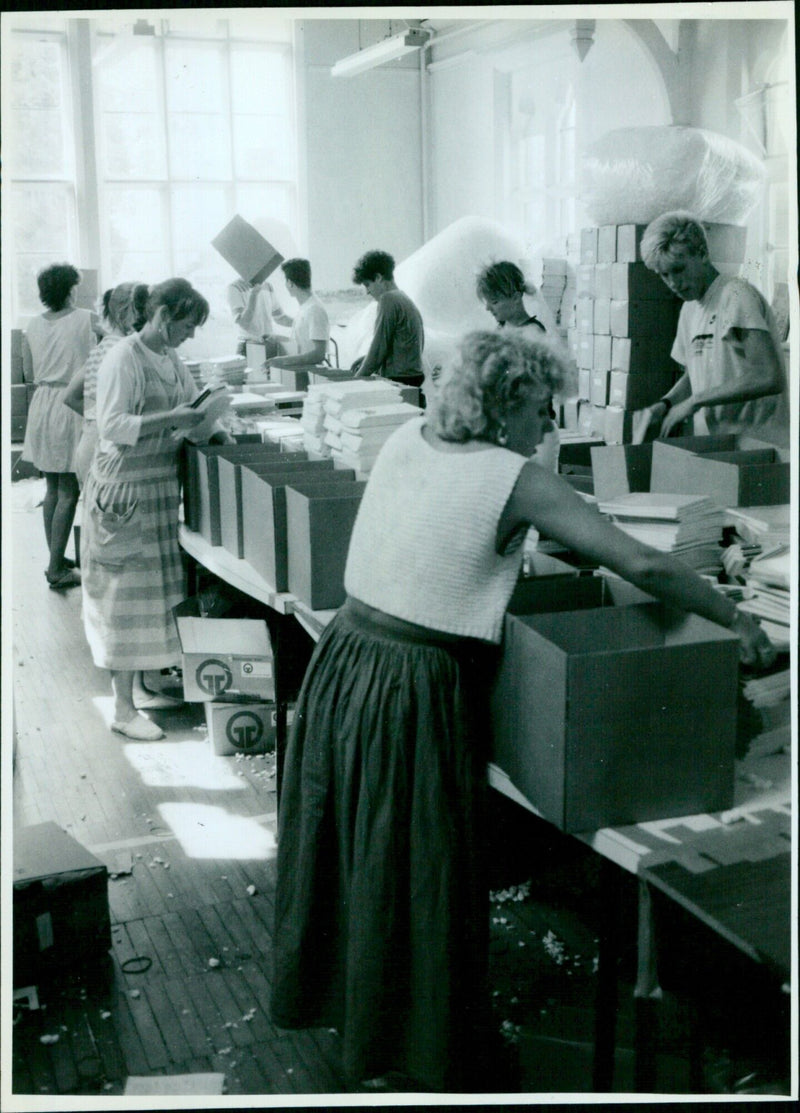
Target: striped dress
(131, 567)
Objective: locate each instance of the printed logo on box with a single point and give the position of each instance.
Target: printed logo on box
(213, 676)
(244, 730)
(257, 669)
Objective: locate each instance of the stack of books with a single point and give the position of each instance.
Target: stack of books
(358, 435)
(688, 526)
(766, 593)
(329, 399)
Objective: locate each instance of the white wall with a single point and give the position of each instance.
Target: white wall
(363, 154)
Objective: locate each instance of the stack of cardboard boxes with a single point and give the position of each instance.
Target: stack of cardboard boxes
(624, 328)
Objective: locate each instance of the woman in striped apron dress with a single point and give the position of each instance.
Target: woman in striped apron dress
(130, 559)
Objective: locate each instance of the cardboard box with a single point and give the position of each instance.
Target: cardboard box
(599, 421)
(589, 245)
(616, 711)
(602, 280)
(241, 728)
(618, 428)
(636, 282)
(602, 316)
(264, 523)
(599, 388)
(607, 243)
(61, 918)
(585, 350)
(293, 378)
(621, 469)
(601, 353)
(643, 355)
(223, 657)
(201, 493)
(320, 519)
(629, 238)
(250, 255)
(732, 470)
(17, 372)
(640, 318)
(569, 414)
(584, 315)
(19, 400)
(584, 280)
(632, 392)
(585, 382)
(233, 507)
(576, 453)
(585, 418)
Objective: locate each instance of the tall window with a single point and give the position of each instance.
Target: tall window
(39, 163)
(193, 121)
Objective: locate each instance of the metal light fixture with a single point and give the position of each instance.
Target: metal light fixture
(582, 35)
(387, 50)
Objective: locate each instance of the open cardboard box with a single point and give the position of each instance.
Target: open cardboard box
(223, 657)
(241, 728)
(232, 508)
(607, 710)
(319, 521)
(731, 469)
(264, 525)
(201, 500)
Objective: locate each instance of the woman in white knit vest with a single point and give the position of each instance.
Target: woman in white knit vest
(381, 910)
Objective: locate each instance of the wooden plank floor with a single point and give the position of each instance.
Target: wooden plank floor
(197, 833)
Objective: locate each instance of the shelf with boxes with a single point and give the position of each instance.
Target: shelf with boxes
(625, 324)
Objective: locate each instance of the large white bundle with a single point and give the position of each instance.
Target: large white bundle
(633, 175)
(439, 277)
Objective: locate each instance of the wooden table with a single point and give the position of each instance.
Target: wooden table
(731, 871)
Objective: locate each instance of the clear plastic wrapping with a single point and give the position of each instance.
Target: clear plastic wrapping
(633, 175)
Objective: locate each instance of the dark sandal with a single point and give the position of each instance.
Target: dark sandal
(65, 580)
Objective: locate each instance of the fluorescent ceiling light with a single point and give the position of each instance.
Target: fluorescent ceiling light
(387, 50)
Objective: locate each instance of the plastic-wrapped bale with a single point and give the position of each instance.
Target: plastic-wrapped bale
(633, 175)
(439, 277)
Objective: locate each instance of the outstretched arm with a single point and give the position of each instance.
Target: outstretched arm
(548, 502)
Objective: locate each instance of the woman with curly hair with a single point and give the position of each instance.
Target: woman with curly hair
(381, 914)
(58, 343)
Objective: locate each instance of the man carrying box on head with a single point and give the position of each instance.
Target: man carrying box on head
(254, 307)
(396, 348)
(311, 329)
(727, 343)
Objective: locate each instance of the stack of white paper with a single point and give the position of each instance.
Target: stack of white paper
(766, 593)
(327, 403)
(357, 436)
(690, 526)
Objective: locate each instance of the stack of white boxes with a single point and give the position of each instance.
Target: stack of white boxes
(361, 433)
(624, 329)
(326, 401)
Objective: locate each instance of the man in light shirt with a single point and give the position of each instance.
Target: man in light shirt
(310, 328)
(255, 308)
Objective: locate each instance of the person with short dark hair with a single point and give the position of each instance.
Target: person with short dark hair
(399, 337)
(727, 342)
(311, 328)
(58, 343)
(501, 287)
(131, 562)
(382, 900)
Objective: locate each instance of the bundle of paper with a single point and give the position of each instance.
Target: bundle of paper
(766, 594)
(363, 432)
(762, 525)
(690, 526)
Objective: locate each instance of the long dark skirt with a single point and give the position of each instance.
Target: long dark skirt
(381, 927)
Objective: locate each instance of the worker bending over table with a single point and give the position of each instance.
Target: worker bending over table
(399, 337)
(727, 343)
(311, 328)
(381, 911)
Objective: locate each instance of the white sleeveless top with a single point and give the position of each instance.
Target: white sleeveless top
(423, 544)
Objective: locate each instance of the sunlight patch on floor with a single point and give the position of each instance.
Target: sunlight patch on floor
(174, 764)
(208, 832)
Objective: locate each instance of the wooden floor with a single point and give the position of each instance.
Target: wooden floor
(193, 838)
(189, 841)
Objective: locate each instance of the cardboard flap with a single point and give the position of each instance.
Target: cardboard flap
(253, 257)
(243, 637)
